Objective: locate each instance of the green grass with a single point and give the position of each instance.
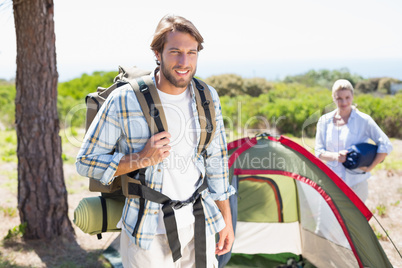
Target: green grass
(17, 231)
(381, 210)
(9, 212)
(7, 264)
(8, 145)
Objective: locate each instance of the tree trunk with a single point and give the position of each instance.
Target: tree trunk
(42, 195)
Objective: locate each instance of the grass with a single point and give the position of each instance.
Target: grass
(6, 263)
(381, 210)
(9, 212)
(17, 231)
(8, 143)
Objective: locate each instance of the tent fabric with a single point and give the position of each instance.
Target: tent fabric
(255, 193)
(280, 237)
(334, 228)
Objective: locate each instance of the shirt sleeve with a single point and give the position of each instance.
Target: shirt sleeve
(375, 133)
(98, 157)
(217, 170)
(320, 146)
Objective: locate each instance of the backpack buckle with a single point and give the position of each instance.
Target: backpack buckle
(154, 112)
(205, 104)
(144, 88)
(198, 85)
(176, 204)
(209, 127)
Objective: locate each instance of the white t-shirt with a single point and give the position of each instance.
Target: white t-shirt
(180, 173)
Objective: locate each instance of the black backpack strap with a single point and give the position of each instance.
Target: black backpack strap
(151, 106)
(126, 187)
(206, 113)
(170, 220)
(104, 217)
(200, 240)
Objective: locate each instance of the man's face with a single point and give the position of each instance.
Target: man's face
(179, 59)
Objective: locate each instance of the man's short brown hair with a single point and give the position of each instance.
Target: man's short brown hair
(171, 23)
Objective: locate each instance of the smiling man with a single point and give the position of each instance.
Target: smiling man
(173, 165)
(178, 61)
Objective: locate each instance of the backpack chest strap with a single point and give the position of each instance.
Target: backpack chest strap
(168, 207)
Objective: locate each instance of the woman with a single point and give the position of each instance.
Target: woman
(344, 127)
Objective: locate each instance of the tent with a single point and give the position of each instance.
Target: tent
(292, 208)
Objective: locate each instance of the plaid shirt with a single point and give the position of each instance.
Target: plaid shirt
(121, 126)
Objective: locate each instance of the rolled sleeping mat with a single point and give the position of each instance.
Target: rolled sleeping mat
(95, 215)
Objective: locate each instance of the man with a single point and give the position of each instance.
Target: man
(174, 167)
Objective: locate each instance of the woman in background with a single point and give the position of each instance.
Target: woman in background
(344, 127)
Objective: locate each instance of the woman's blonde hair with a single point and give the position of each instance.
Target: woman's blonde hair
(341, 84)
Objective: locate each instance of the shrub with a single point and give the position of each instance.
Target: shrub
(384, 85)
(226, 84)
(367, 86)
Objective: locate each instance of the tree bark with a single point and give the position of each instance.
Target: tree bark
(42, 195)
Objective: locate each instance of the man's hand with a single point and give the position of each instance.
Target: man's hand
(226, 239)
(226, 235)
(156, 149)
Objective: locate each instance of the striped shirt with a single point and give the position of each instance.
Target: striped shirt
(121, 126)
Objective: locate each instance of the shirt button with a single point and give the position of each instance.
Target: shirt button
(156, 212)
(159, 170)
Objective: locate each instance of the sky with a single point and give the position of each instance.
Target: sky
(255, 38)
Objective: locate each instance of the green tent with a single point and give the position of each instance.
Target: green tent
(291, 208)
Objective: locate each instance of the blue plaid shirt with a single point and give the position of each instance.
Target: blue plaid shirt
(121, 126)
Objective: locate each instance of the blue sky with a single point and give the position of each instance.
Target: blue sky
(251, 38)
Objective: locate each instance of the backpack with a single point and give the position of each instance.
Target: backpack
(141, 80)
(94, 215)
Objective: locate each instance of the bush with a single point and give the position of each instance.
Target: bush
(386, 112)
(7, 104)
(287, 108)
(256, 86)
(367, 86)
(323, 78)
(71, 96)
(226, 84)
(384, 85)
